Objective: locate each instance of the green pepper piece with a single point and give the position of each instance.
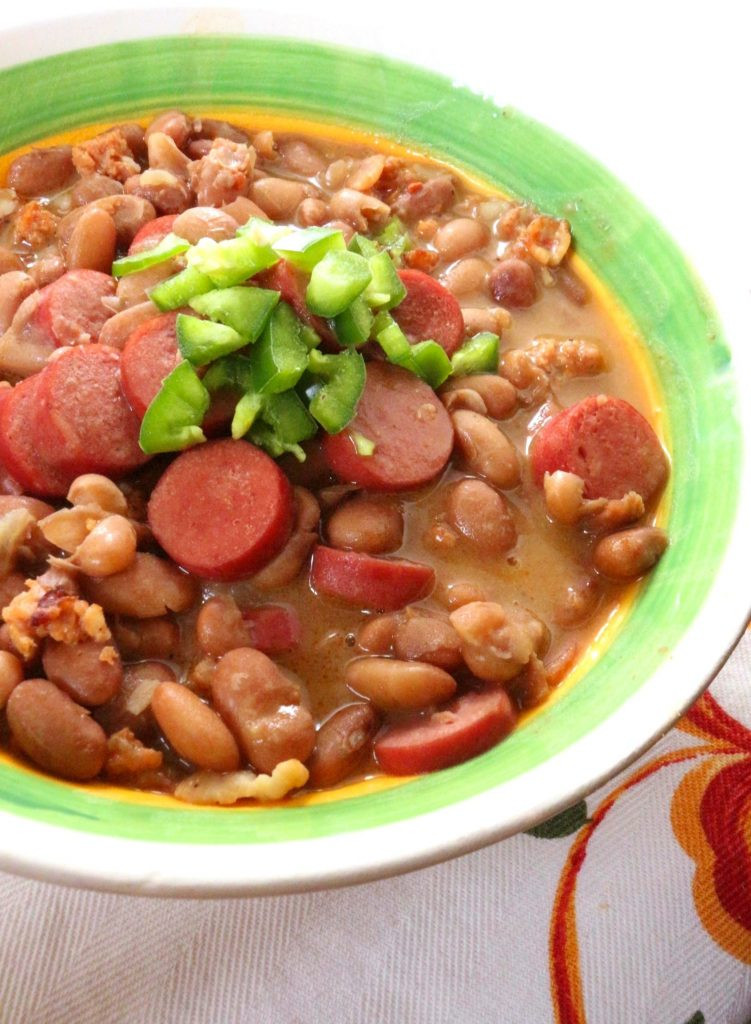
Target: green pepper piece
(232, 261)
(307, 247)
(309, 336)
(246, 412)
(386, 289)
(179, 290)
(285, 422)
(393, 341)
(336, 282)
(201, 341)
(246, 310)
(233, 372)
(169, 247)
(478, 355)
(353, 326)
(363, 246)
(280, 356)
(173, 419)
(395, 238)
(432, 363)
(333, 400)
(363, 445)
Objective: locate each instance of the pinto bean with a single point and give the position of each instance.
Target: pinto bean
(164, 155)
(133, 290)
(485, 318)
(41, 170)
(55, 732)
(454, 595)
(166, 192)
(578, 602)
(11, 674)
(242, 209)
(366, 172)
(430, 639)
(376, 634)
(279, 197)
(131, 706)
(460, 236)
(498, 641)
(92, 242)
(425, 199)
(396, 685)
(299, 157)
(92, 187)
(220, 627)
(343, 743)
(15, 286)
(47, 269)
(149, 588)
(109, 548)
(467, 276)
(89, 672)
(512, 283)
(263, 708)
(9, 260)
(212, 128)
(498, 394)
(630, 553)
(146, 638)
(486, 449)
(463, 398)
(195, 731)
(311, 212)
(129, 213)
(204, 222)
(289, 562)
(366, 524)
(174, 123)
(361, 211)
(482, 515)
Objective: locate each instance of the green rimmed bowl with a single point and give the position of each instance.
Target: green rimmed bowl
(675, 634)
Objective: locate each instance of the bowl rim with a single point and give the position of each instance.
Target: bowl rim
(54, 853)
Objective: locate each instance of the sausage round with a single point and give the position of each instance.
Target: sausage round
(85, 418)
(429, 311)
(365, 581)
(606, 442)
(244, 517)
(71, 311)
(464, 728)
(150, 354)
(20, 444)
(409, 426)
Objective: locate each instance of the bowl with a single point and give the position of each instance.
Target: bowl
(659, 651)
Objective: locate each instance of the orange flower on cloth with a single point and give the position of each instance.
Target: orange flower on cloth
(711, 818)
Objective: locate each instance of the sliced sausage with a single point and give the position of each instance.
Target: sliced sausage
(55, 732)
(243, 519)
(20, 447)
(365, 581)
(85, 419)
(150, 354)
(606, 442)
(89, 672)
(464, 728)
(283, 277)
(152, 233)
(274, 628)
(429, 311)
(409, 426)
(71, 310)
(263, 709)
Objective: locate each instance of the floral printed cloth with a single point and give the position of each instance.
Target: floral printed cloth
(633, 907)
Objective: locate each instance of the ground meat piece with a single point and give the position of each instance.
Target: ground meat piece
(35, 225)
(108, 154)
(126, 755)
(40, 611)
(546, 239)
(566, 357)
(223, 174)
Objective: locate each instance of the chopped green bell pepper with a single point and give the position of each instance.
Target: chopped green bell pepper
(334, 396)
(280, 356)
(432, 363)
(169, 247)
(353, 326)
(336, 282)
(307, 247)
(174, 417)
(231, 261)
(386, 289)
(201, 341)
(179, 290)
(246, 310)
(478, 355)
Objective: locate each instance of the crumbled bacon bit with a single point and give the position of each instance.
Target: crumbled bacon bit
(35, 225)
(421, 259)
(126, 755)
(39, 612)
(108, 154)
